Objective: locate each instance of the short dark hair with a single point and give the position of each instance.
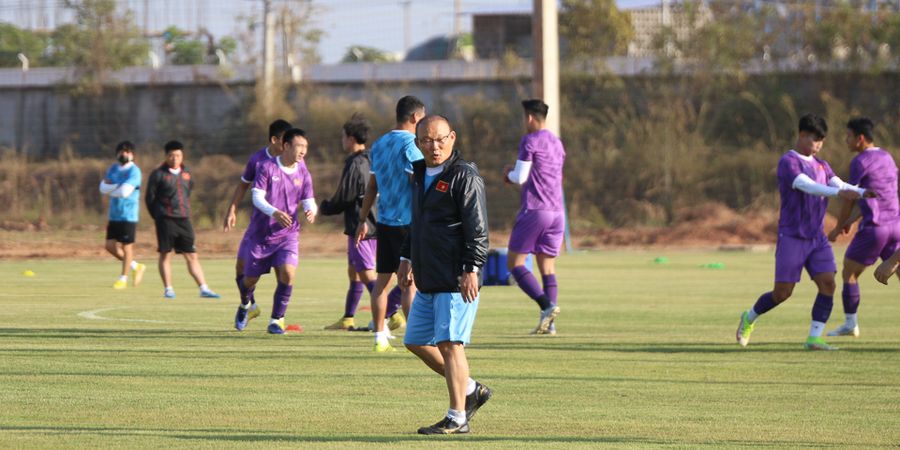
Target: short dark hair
(407, 106)
(536, 107)
(431, 118)
(291, 133)
(814, 124)
(862, 126)
(357, 128)
(171, 146)
(278, 127)
(124, 146)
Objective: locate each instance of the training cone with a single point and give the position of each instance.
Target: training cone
(661, 260)
(28, 273)
(293, 328)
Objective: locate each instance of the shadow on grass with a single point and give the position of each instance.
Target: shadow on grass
(668, 347)
(224, 434)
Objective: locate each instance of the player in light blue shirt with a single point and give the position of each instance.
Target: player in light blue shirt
(392, 156)
(122, 184)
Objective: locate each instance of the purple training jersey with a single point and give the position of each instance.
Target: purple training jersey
(874, 170)
(284, 191)
(250, 169)
(543, 188)
(801, 213)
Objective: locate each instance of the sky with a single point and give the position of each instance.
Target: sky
(373, 23)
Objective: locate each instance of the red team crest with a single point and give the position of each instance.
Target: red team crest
(186, 176)
(441, 186)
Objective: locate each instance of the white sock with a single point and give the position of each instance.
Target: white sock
(851, 320)
(204, 288)
(134, 264)
(278, 321)
(170, 288)
(381, 336)
(816, 329)
(247, 306)
(752, 315)
(457, 416)
(470, 387)
(123, 277)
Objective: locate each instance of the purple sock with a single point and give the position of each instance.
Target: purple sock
(850, 295)
(393, 302)
(550, 287)
(354, 293)
(370, 286)
(822, 308)
(765, 303)
(246, 294)
(530, 286)
(281, 299)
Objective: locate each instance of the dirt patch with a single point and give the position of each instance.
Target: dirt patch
(708, 225)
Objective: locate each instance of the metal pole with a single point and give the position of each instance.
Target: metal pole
(268, 53)
(407, 26)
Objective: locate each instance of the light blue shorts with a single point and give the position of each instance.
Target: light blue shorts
(440, 317)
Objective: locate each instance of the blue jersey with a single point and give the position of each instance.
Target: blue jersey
(125, 209)
(392, 156)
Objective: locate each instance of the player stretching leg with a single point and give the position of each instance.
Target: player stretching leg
(804, 180)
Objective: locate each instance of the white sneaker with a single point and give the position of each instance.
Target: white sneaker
(845, 330)
(545, 320)
(552, 329)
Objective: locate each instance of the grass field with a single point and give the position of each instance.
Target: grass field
(645, 357)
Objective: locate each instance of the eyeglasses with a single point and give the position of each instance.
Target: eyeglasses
(429, 141)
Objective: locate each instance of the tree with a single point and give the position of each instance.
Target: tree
(594, 28)
(15, 40)
(361, 53)
(184, 48)
(100, 41)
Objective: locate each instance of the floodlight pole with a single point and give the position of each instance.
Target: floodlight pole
(268, 54)
(545, 78)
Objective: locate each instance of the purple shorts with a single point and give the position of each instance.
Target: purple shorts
(261, 258)
(361, 257)
(244, 249)
(873, 241)
(537, 231)
(792, 254)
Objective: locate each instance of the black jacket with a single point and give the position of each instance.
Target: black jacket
(169, 195)
(449, 230)
(348, 198)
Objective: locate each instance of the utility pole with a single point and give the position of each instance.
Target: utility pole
(268, 71)
(407, 27)
(457, 17)
(545, 80)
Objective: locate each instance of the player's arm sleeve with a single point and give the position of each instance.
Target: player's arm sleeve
(472, 204)
(249, 173)
(519, 175)
(259, 202)
(837, 182)
(123, 191)
(806, 184)
(106, 188)
(150, 196)
(413, 154)
(344, 197)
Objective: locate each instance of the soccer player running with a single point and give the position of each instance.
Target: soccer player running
(540, 222)
(804, 180)
(392, 158)
(874, 170)
(122, 183)
(281, 188)
(168, 199)
(276, 132)
(348, 200)
(444, 252)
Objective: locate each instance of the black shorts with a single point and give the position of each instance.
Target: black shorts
(387, 252)
(121, 231)
(175, 234)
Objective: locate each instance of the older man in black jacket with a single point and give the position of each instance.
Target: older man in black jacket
(444, 251)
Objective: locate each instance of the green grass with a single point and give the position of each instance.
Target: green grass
(645, 358)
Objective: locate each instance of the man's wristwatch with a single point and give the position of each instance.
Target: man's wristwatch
(469, 268)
